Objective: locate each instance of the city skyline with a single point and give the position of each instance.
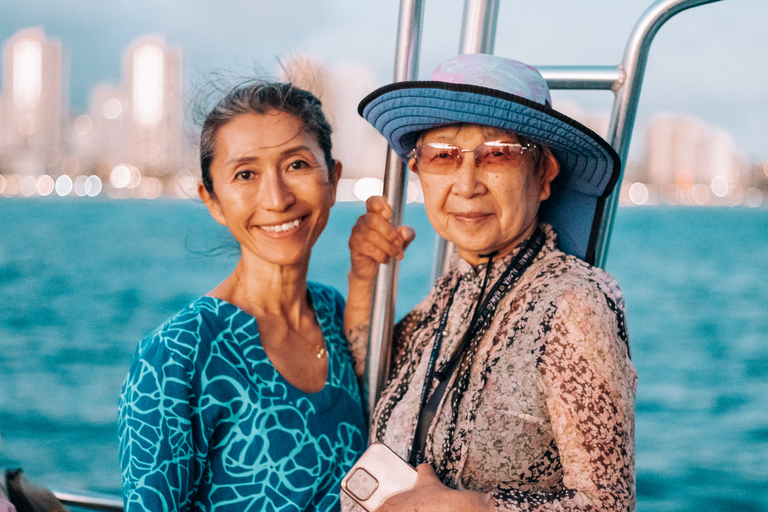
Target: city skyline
(132, 135)
(707, 62)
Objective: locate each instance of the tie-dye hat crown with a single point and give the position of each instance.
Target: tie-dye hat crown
(507, 94)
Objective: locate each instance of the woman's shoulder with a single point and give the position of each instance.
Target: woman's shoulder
(562, 275)
(181, 334)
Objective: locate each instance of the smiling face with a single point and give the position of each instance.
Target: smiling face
(482, 211)
(271, 187)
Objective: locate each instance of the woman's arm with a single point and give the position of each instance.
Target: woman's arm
(590, 386)
(372, 242)
(155, 435)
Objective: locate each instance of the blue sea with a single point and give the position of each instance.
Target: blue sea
(82, 280)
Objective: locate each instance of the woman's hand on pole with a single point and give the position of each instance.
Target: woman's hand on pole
(373, 241)
(430, 495)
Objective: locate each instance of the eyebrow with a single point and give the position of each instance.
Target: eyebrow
(252, 159)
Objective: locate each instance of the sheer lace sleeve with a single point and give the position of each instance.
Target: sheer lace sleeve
(589, 384)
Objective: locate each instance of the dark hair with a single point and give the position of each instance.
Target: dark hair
(261, 97)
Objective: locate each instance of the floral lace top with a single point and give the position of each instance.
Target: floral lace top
(540, 412)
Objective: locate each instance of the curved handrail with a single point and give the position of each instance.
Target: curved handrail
(627, 93)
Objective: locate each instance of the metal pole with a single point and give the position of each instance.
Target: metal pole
(627, 97)
(90, 501)
(385, 292)
(478, 34)
(581, 77)
(478, 30)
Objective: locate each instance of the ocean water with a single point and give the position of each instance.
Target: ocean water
(82, 280)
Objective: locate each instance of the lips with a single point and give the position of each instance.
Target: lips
(280, 228)
(470, 217)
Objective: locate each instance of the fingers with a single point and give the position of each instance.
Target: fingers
(379, 205)
(425, 471)
(408, 234)
(374, 240)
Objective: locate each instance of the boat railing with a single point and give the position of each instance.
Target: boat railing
(478, 34)
(90, 501)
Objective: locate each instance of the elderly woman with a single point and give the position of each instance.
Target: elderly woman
(512, 380)
(247, 398)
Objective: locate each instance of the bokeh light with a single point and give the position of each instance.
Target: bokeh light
(684, 178)
(12, 185)
(83, 124)
(28, 186)
(719, 186)
(124, 176)
(367, 187)
(112, 108)
(79, 185)
(700, 194)
(414, 192)
(45, 185)
(149, 188)
(120, 176)
(63, 185)
(92, 186)
(638, 193)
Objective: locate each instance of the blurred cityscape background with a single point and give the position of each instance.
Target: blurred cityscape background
(134, 140)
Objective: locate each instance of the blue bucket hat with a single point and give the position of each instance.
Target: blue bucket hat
(507, 94)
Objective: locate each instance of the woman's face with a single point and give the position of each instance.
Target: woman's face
(271, 187)
(478, 210)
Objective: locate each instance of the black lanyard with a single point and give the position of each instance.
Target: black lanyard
(480, 323)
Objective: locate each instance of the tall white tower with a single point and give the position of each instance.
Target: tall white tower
(32, 85)
(154, 108)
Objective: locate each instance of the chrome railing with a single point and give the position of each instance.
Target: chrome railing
(478, 31)
(380, 333)
(90, 501)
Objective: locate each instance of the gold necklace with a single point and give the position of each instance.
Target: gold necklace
(320, 347)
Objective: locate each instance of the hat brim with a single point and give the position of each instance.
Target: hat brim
(589, 167)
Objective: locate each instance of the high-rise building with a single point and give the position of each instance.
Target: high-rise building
(153, 109)
(684, 151)
(33, 109)
(109, 114)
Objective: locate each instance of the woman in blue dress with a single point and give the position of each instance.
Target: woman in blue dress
(247, 398)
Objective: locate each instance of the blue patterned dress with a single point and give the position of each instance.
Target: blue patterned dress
(207, 423)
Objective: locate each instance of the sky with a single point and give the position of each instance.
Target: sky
(709, 62)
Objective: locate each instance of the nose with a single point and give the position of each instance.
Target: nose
(276, 193)
(468, 178)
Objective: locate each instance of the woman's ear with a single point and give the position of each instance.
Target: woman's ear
(549, 168)
(335, 177)
(211, 203)
(412, 166)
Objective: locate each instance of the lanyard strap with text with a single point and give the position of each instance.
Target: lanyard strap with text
(512, 273)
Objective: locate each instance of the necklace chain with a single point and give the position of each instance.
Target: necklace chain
(320, 347)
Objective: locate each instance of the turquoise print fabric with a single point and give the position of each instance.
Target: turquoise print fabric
(207, 423)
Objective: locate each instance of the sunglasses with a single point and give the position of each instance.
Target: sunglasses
(494, 156)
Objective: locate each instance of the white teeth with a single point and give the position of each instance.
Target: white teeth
(282, 227)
